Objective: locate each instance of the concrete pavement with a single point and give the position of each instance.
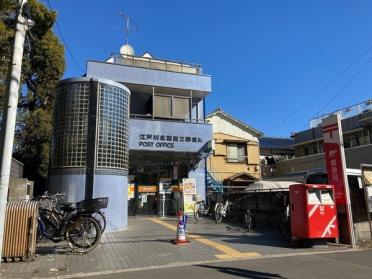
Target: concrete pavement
(146, 244)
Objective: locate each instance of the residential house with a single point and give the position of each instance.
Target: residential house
(235, 160)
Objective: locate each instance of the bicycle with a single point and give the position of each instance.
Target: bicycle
(221, 211)
(201, 208)
(230, 210)
(55, 214)
(248, 220)
(95, 210)
(52, 216)
(81, 231)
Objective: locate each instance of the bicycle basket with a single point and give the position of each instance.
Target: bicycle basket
(91, 205)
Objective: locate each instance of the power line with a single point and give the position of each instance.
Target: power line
(343, 87)
(317, 93)
(65, 43)
(347, 83)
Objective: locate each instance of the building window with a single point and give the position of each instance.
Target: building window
(172, 107)
(70, 127)
(236, 153)
(112, 131)
(181, 108)
(365, 137)
(313, 147)
(321, 147)
(353, 140)
(140, 104)
(163, 106)
(306, 150)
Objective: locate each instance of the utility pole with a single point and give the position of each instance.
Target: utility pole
(10, 110)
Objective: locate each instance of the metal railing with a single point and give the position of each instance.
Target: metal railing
(214, 181)
(157, 64)
(344, 113)
(150, 117)
(213, 184)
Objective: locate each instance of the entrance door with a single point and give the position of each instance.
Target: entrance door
(149, 204)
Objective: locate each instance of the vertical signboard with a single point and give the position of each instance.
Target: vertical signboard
(130, 191)
(367, 184)
(336, 167)
(189, 191)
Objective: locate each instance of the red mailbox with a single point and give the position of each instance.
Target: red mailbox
(313, 211)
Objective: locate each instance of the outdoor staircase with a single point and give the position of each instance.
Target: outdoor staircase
(213, 184)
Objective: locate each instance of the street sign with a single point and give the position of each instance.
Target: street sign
(333, 151)
(189, 190)
(336, 167)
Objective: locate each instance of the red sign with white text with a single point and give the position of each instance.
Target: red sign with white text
(334, 160)
(335, 171)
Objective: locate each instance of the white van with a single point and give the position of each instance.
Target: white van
(357, 198)
(319, 176)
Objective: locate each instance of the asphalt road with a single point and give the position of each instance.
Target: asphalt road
(355, 264)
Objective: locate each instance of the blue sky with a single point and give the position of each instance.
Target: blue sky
(269, 59)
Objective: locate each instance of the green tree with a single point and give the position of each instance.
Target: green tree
(6, 37)
(43, 65)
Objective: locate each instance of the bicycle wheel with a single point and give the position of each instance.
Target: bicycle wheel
(218, 214)
(198, 206)
(285, 228)
(232, 212)
(40, 231)
(196, 211)
(101, 219)
(47, 225)
(83, 234)
(248, 220)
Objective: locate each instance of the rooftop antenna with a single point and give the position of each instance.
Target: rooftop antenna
(130, 25)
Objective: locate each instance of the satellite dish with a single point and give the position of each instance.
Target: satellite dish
(127, 50)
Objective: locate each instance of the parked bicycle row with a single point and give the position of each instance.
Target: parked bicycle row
(80, 224)
(251, 209)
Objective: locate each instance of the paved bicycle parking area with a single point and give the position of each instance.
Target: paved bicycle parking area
(146, 244)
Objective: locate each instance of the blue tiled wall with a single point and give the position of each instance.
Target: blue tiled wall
(199, 175)
(73, 185)
(116, 189)
(112, 186)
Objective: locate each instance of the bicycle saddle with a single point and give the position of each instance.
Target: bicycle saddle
(67, 207)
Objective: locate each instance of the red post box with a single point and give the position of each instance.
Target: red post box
(313, 211)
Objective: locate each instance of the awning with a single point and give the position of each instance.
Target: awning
(264, 185)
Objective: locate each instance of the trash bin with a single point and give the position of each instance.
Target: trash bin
(19, 240)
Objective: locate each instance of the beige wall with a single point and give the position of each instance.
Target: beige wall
(223, 125)
(221, 169)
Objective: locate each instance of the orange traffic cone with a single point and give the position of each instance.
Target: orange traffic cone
(181, 233)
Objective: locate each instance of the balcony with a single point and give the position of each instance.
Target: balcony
(344, 113)
(146, 73)
(156, 64)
